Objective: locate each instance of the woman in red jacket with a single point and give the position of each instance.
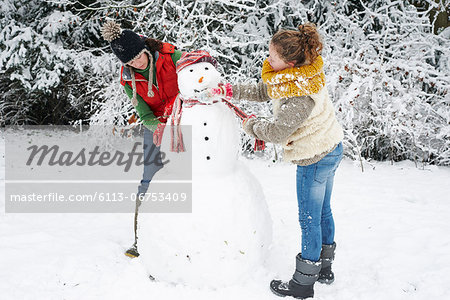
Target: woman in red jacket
(149, 77)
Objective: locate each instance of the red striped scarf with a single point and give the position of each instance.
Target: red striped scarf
(176, 136)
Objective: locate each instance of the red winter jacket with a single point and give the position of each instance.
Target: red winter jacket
(166, 79)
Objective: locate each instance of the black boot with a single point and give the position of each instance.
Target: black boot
(327, 255)
(301, 286)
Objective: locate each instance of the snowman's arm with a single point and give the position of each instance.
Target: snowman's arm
(292, 113)
(145, 114)
(251, 92)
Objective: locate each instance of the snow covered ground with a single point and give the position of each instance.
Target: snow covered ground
(392, 231)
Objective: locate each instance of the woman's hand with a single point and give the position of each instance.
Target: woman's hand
(204, 97)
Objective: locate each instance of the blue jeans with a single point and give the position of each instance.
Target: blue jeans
(152, 161)
(314, 186)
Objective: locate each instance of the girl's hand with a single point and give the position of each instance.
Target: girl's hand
(248, 124)
(224, 91)
(248, 118)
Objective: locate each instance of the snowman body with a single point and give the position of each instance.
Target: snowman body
(226, 237)
(215, 138)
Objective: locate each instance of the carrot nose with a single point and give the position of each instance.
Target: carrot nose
(200, 80)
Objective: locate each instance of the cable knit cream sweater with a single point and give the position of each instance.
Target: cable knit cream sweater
(305, 126)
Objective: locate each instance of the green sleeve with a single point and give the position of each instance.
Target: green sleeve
(176, 56)
(144, 112)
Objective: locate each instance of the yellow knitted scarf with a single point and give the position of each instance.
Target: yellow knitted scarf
(294, 82)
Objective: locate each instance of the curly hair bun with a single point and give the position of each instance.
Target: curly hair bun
(307, 28)
(300, 46)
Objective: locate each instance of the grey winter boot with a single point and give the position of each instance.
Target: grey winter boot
(301, 286)
(327, 256)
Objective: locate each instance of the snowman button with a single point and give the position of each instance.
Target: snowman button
(206, 138)
(208, 158)
(204, 124)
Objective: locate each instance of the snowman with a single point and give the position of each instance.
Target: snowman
(225, 239)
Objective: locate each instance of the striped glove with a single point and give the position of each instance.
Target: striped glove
(224, 91)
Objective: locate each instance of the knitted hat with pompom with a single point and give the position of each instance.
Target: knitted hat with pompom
(127, 46)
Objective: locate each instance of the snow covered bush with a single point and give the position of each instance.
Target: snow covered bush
(386, 62)
(47, 72)
(389, 77)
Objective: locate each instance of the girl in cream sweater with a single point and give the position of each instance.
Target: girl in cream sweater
(305, 125)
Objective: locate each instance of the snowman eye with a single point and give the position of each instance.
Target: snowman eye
(191, 70)
(206, 68)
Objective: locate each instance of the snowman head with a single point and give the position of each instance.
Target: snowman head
(197, 71)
